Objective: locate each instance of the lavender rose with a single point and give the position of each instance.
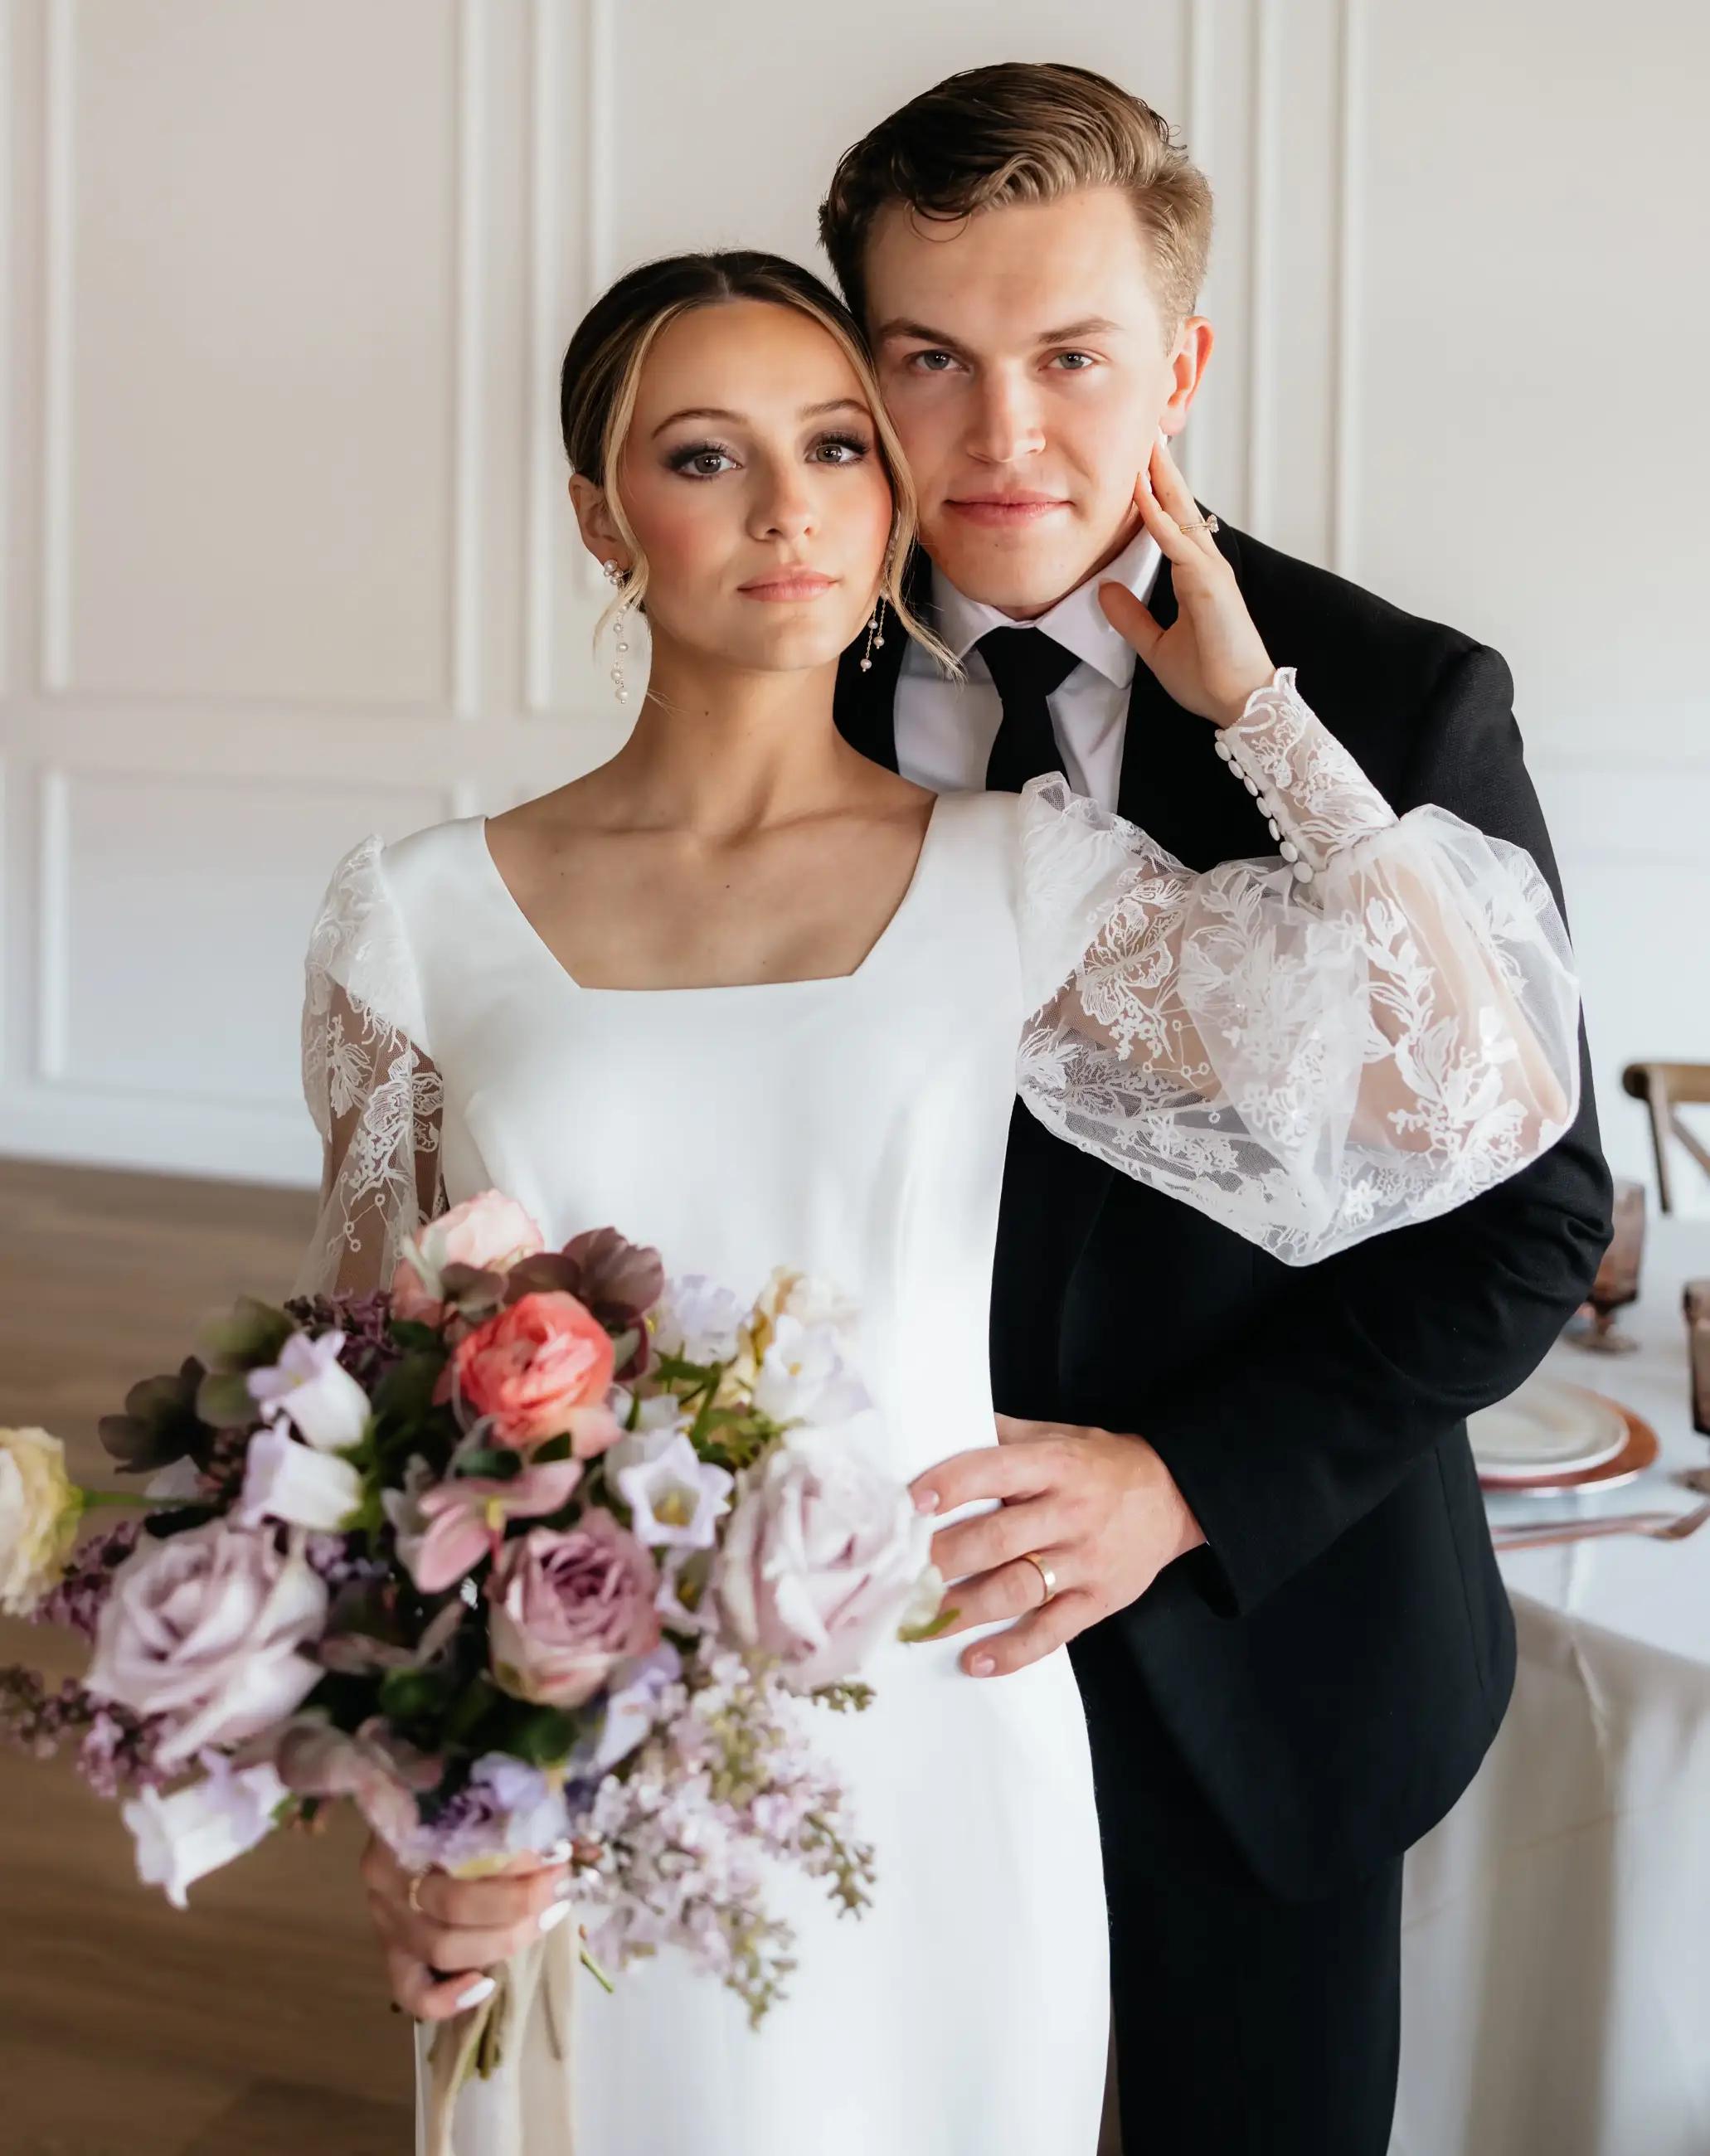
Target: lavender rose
(824, 1556)
(208, 1627)
(568, 1607)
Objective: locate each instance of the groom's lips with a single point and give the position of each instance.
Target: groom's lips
(1005, 511)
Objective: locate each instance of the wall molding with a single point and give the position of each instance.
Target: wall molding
(1351, 86)
(59, 289)
(461, 694)
(1264, 131)
(8, 335)
(570, 68)
(468, 354)
(53, 920)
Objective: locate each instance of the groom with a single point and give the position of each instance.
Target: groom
(1254, 1485)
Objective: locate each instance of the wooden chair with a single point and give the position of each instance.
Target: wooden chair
(1665, 1088)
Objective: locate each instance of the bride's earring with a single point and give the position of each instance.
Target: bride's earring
(876, 635)
(615, 576)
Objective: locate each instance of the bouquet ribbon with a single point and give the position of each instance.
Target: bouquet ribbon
(497, 2079)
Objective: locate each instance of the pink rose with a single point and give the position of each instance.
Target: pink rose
(567, 1608)
(540, 1370)
(209, 1627)
(490, 1233)
(824, 1556)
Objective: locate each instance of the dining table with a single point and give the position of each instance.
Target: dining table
(1556, 1925)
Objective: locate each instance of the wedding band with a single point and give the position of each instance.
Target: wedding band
(1046, 1575)
(415, 1888)
(1199, 524)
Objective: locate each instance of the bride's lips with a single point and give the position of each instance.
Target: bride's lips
(1005, 510)
(788, 584)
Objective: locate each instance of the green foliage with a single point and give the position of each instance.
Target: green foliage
(249, 1337)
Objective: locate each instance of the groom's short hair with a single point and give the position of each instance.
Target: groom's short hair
(1022, 132)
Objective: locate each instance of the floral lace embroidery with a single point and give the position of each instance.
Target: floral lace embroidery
(1308, 1062)
(374, 1092)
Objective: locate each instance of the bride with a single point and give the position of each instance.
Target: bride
(759, 1001)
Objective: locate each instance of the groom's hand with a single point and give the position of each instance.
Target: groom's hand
(1099, 1510)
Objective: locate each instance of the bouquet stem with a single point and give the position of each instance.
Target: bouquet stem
(517, 2044)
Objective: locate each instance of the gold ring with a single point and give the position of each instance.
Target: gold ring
(1199, 524)
(1047, 1576)
(414, 1894)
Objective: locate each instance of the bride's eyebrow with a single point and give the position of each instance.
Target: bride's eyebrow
(737, 420)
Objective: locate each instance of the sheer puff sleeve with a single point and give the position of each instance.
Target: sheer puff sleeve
(1365, 1030)
(370, 1084)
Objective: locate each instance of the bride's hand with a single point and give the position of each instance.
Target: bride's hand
(1211, 658)
(437, 1949)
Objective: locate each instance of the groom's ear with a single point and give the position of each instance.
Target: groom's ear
(1189, 360)
(593, 519)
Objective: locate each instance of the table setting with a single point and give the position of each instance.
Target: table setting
(1556, 1941)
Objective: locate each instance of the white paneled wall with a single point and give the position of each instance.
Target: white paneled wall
(283, 289)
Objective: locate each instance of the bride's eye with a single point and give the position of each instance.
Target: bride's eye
(841, 449)
(701, 461)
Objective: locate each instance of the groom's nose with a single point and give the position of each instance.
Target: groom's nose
(1005, 422)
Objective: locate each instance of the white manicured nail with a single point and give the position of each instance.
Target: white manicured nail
(559, 1853)
(555, 1915)
(483, 1988)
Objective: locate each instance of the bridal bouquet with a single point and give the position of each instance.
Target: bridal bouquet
(533, 1550)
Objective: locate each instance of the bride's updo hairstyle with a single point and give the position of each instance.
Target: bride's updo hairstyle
(597, 386)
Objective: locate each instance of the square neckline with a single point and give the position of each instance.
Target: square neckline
(904, 906)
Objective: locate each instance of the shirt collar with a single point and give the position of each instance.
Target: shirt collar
(1076, 622)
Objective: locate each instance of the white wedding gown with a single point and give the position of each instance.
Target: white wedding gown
(1245, 1039)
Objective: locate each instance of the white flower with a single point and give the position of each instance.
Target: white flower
(180, 1480)
(39, 1509)
(676, 1497)
(658, 1420)
(823, 1556)
(286, 1481)
(308, 1384)
(810, 1299)
(803, 1378)
(697, 1321)
(182, 1838)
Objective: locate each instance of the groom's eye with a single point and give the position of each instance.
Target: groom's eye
(927, 363)
(1074, 362)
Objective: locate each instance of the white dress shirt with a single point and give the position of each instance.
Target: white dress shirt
(945, 729)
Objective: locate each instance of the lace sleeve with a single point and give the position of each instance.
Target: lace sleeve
(1366, 1031)
(371, 1086)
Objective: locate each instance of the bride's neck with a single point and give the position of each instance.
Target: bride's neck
(718, 746)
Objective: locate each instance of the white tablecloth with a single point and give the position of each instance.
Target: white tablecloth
(1556, 1939)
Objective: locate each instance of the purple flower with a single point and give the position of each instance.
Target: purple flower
(209, 1627)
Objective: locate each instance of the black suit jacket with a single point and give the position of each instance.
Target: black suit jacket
(1333, 1665)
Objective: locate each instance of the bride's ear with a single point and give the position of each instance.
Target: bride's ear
(593, 519)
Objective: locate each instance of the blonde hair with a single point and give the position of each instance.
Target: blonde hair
(601, 378)
(1022, 132)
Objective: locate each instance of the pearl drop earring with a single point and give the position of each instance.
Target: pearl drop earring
(876, 635)
(615, 576)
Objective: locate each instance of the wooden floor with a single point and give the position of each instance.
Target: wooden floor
(255, 2023)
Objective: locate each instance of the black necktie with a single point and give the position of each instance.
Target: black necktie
(1026, 664)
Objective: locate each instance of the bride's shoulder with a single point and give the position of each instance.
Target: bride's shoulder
(424, 852)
